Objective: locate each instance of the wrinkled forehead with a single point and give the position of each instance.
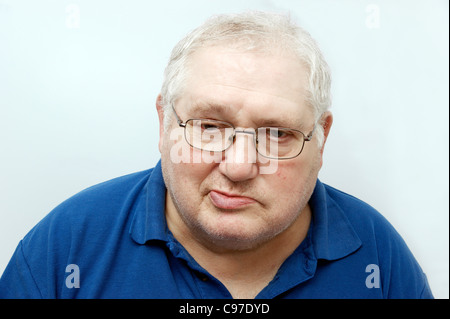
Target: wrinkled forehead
(227, 76)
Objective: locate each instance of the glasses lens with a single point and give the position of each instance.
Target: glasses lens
(209, 135)
(279, 143)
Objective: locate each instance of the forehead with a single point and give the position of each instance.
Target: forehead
(278, 72)
(266, 84)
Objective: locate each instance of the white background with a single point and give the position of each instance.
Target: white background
(79, 79)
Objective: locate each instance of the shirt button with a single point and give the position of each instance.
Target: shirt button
(202, 277)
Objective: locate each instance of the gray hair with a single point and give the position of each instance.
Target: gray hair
(251, 31)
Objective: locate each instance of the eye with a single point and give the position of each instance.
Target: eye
(277, 133)
(209, 126)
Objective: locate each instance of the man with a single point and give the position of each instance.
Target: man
(235, 207)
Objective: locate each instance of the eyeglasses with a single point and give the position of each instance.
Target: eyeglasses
(216, 136)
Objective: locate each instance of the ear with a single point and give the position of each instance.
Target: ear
(160, 110)
(326, 122)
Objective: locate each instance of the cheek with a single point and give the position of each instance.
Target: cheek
(290, 172)
(285, 184)
(185, 174)
(281, 175)
(192, 174)
(293, 179)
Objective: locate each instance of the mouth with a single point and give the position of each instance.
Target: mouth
(229, 201)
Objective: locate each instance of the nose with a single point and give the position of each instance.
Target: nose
(239, 162)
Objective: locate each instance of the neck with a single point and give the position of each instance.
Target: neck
(243, 272)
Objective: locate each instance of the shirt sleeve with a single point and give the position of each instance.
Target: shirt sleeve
(426, 292)
(17, 281)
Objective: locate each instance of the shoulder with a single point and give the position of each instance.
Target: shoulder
(383, 246)
(361, 215)
(84, 228)
(95, 210)
(114, 189)
(371, 226)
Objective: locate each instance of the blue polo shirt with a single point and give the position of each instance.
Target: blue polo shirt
(112, 241)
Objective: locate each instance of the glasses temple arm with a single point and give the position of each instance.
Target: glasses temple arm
(179, 121)
(310, 135)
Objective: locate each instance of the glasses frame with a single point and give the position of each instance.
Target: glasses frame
(306, 138)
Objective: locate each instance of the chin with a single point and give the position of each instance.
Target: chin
(237, 238)
(235, 243)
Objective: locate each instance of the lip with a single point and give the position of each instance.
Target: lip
(229, 201)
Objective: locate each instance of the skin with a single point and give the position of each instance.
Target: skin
(239, 224)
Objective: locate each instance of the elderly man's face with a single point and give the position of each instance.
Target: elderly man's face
(231, 202)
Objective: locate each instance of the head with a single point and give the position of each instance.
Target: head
(251, 32)
(251, 70)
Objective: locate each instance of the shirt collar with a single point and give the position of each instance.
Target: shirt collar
(333, 236)
(149, 222)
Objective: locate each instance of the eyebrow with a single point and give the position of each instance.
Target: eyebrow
(205, 108)
(281, 123)
(210, 107)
